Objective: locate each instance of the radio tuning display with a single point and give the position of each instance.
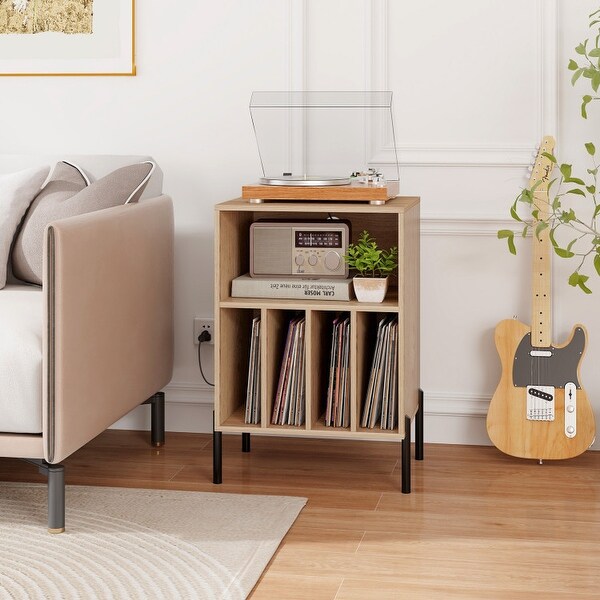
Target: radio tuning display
(318, 239)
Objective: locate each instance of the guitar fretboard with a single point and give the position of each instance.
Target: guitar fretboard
(541, 318)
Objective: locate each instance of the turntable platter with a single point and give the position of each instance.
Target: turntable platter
(300, 181)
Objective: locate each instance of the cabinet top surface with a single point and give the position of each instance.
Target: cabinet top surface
(395, 205)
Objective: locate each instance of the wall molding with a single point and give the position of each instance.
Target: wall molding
(546, 86)
(179, 392)
(464, 225)
(454, 404)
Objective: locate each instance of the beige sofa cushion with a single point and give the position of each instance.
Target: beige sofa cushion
(17, 190)
(67, 195)
(21, 323)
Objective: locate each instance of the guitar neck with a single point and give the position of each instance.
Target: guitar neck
(541, 272)
(541, 315)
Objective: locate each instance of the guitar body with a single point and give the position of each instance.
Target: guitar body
(552, 371)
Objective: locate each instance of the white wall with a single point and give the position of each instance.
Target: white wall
(476, 85)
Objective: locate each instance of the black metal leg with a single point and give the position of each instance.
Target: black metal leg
(245, 442)
(217, 455)
(419, 418)
(56, 498)
(157, 419)
(406, 457)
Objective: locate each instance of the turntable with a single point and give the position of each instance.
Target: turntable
(311, 144)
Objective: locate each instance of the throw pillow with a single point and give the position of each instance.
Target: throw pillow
(67, 195)
(17, 190)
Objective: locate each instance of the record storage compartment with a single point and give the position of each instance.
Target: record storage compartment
(394, 224)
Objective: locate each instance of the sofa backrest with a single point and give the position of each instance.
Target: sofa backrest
(94, 165)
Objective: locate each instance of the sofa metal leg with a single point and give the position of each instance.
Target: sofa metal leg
(56, 498)
(157, 419)
(56, 493)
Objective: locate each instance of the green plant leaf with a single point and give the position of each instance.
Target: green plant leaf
(596, 211)
(569, 216)
(539, 228)
(564, 253)
(576, 191)
(566, 170)
(585, 101)
(514, 214)
(581, 49)
(591, 189)
(572, 65)
(549, 156)
(593, 172)
(591, 149)
(597, 263)
(594, 52)
(596, 81)
(576, 76)
(510, 238)
(576, 180)
(525, 231)
(579, 280)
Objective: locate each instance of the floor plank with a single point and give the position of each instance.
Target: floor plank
(478, 524)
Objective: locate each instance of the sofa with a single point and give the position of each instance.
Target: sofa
(94, 338)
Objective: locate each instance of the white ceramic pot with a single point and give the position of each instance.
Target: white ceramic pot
(370, 289)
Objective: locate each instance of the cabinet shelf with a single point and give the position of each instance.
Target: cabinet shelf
(394, 224)
(390, 304)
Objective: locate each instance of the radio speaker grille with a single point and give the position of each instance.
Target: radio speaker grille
(272, 250)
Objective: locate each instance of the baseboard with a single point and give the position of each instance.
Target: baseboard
(450, 417)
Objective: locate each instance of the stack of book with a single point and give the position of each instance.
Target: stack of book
(317, 288)
(252, 414)
(382, 391)
(288, 406)
(337, 411)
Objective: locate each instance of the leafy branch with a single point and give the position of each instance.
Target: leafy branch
(590, 63)
(573, 226)
(561, 219)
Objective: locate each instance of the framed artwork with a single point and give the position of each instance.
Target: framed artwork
(67, 37)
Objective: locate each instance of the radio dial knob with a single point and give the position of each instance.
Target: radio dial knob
(332, 261)
(299, 260)
(312, 260)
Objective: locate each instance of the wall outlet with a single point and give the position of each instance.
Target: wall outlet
(201, 325)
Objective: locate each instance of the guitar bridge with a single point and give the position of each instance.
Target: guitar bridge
(540, 403)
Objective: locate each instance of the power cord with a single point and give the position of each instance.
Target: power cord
(203, 337)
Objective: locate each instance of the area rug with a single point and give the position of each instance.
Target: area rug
(134, 544)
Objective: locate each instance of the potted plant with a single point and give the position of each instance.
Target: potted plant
(573, 224)
(373, 266)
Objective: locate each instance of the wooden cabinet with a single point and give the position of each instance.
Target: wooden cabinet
(395, 223)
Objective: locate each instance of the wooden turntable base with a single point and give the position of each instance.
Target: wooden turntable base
(355, 192)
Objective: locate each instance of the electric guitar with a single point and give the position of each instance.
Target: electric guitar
(539, 409)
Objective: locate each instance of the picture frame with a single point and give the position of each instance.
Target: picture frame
(99, 40)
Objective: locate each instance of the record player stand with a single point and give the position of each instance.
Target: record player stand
(394, 223)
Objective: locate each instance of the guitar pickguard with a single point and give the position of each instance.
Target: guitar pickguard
(548, 366)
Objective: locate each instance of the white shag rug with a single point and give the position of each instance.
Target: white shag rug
(133, 544)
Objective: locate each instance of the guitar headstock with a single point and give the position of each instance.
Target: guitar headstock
(543, 166)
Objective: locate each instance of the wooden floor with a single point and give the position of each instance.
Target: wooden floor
(478, 524)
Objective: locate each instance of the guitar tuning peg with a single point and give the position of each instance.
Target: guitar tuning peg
(530, 168)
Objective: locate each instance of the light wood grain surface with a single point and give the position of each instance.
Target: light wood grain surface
(477, 525)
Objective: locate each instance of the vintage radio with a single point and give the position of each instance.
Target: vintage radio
(302, 248)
